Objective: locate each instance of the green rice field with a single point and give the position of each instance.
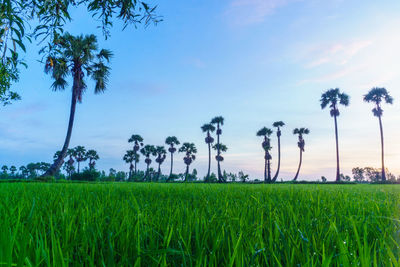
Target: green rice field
(144, 224)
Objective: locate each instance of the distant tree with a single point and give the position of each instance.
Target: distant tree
(190, 155)
(92, 156)
(323, 179)
(32, 169)
(208, 128)
(161, 156)
(377, 96)
(345, 178)
(80, 58)
(219, 121)
(148, 151)
(172, 141)
(374, 175)
(278, 125)
(130, 157)
(4, 168)
(137, 141)
(243, 177)
(24, 172)
(358, 174)
(334, 98)
(80, 155)
(266, 145)
(300, 132)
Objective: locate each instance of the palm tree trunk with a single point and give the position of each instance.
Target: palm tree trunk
(57, 164)
(209, 161)
(265, 167)
(337, 151)
(172, 164)
(187, 172)
(383, 150)
(279, 160)
(78, 165)
(269, 171)
(147, 173)
(219, 163)
(298, 169)
(135, 167)
(159, 172)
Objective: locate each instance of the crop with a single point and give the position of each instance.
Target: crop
(58, 224)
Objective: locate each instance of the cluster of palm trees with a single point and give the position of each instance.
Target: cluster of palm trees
(266, 145)
(132, 156)
(78, 154)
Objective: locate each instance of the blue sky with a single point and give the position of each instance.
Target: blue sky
(252, 61)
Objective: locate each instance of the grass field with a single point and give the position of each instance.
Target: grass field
(199, 224)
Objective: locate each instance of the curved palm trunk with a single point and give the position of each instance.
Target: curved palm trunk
(279, 160)
(298, 169)
(209, 161)
(57, 164)
(337, 152)
(383, 150)
(187, 172)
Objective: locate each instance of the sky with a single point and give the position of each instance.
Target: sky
(251, 61)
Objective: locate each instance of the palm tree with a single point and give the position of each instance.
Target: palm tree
(161, 156)
(80, 58)
(219, 147)
(80, 155)
(219, 121)
(333, 97)
(24, 172)
(137, 141)
(266, 145)
(278, 125)
(190, 150)
(300, 132)
(13, 169)
(147, 151)
(130, 157)
(172, 141)
(377, 96)
(208, 128)
(92, 156)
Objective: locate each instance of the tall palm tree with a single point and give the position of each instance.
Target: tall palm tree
(208, 128)
(147, 151)
(334, 98)
(80, 155)
(278, 125)
(79, 57)
(190, 151)
(130, 157)
(172, 141)
(161, 156)
(219, 121)
(92, 156)
(266, 145)
(377, 96)
(137, 141)
(300, 132)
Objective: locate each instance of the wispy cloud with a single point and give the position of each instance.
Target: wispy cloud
(246, 12)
